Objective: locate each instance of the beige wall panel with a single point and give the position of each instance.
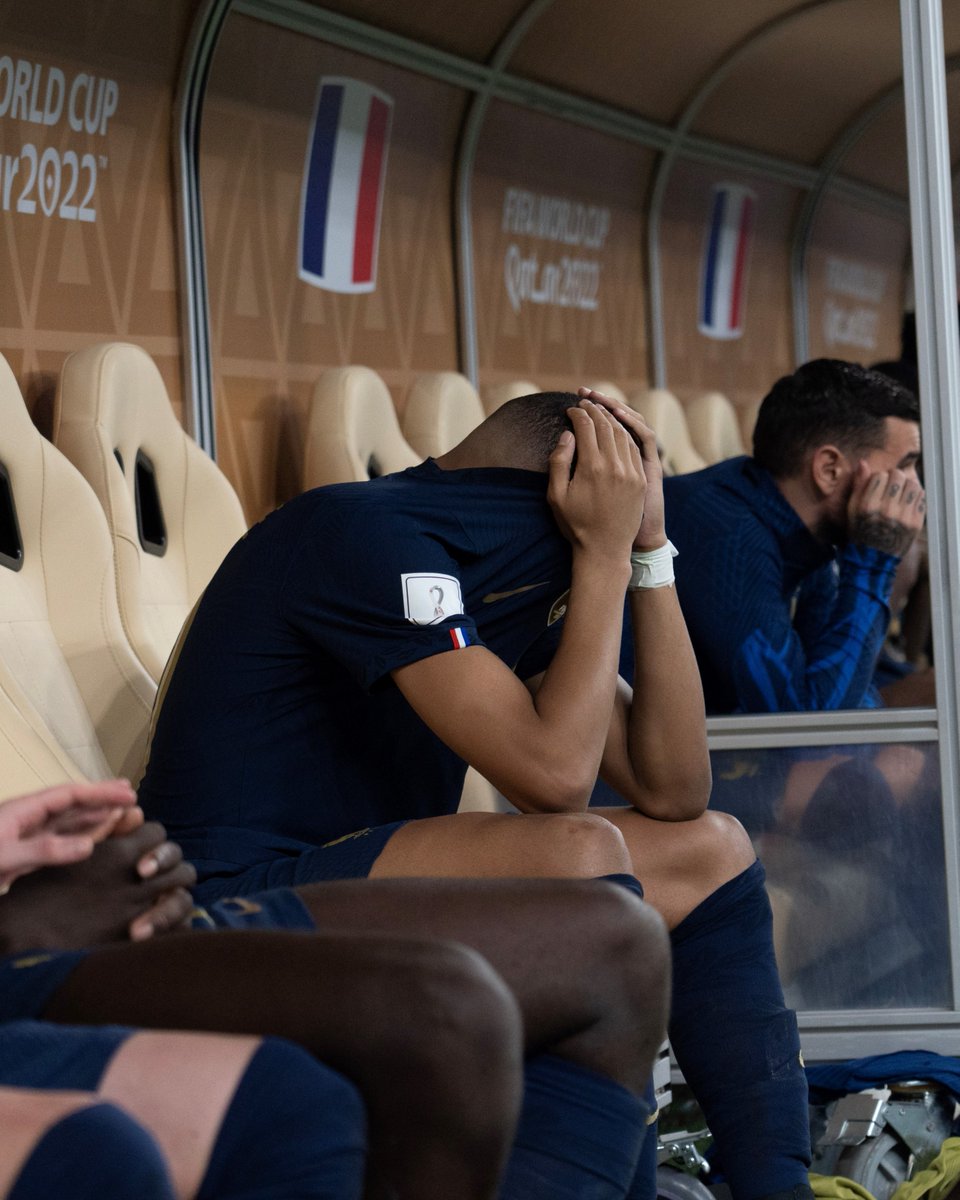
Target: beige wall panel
(742, 368)
(272, 334)
(559, 300)
(855, 283)
(88, 250)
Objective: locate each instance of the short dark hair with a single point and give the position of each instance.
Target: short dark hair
(538, 420)
(823, 401)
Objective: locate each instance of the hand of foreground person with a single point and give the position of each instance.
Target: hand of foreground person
(650, 534)
(599, 506)
(58, 825)
(133, 885)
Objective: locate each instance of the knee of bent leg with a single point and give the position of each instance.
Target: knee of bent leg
(581, 845)
(466, 1014)
(721, 838)
(107, 1149)
(632, 949)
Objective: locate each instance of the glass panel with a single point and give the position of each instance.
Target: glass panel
(852, 841)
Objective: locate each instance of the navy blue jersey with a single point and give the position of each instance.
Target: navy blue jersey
(779, 621)
(281, 727)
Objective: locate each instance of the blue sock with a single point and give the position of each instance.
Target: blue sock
(578, 1138)
(737, 1043)
(630, 882)
(644, 1183)
(91, 1154)
(295, 1130)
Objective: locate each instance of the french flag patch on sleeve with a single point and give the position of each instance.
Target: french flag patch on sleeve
(460, 638)
(342, 190)
(726, 256)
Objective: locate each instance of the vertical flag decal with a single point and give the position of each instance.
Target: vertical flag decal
(342, 194)
(725, 259)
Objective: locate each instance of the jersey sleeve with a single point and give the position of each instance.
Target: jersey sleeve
(376, 608)
(824, 659)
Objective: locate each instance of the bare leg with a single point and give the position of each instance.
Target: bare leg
(499, 845)
(426, 1030)
(179, 1086)
(680, 863)
(585, 960)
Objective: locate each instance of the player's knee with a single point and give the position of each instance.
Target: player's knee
(467, 1039)
(466, 1005)
(103, 1148)
(581, 845)
(720, 838)
(632, 951)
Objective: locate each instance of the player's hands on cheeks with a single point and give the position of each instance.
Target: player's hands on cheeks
(651, 533)
(600, 508)
(58, 825)
(885, 510)
(133, 885)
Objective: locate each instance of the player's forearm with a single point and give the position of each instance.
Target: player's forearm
(666, 731)
(575, 699)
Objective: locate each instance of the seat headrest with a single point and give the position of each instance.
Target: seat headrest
(500, 393)
(714, 428)
(352, 429)
(664, 414)
(442, 408)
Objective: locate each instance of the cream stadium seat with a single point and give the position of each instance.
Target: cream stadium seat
(500, 393)
(609, 388)
(664, 414)
(172, 513)
(65, 662)
(352, 430)
(713, 425)
(442, 408)
(30, 758)
(748, 419)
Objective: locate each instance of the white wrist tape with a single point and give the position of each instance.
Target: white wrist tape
(652, 568)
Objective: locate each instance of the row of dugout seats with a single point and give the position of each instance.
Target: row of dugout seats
(108, 536)
(353, 431)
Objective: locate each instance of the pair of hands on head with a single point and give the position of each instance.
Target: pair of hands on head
(88, 868)
(613, 502)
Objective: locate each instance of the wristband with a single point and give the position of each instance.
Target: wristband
(652, 568)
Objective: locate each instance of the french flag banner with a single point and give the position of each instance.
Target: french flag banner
(342, 192)
(726, 254)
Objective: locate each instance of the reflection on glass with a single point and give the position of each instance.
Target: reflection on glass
(852, 841)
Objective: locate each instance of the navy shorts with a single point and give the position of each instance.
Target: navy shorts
(348, 857)
(280, 908)
(39, 1054)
